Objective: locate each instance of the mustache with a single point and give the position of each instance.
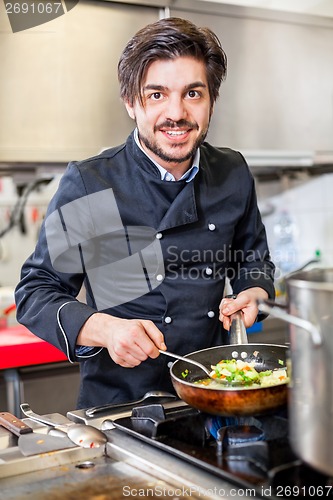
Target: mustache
(179, 124)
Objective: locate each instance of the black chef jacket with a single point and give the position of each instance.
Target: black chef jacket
(207, 228)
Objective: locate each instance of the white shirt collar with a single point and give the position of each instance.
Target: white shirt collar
(167, 176)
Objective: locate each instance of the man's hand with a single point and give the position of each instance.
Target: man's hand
(129, 341)
(246, 302)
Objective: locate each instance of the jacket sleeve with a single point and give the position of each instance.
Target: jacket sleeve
(252, 265)
(46, 294)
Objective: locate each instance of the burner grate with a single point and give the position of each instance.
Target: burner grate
(185, 426)
(273, 427)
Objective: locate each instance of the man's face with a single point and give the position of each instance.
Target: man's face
(174, 118)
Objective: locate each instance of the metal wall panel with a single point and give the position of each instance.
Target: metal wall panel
(279, 89)
(59, 93)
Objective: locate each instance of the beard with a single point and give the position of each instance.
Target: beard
(152, 145)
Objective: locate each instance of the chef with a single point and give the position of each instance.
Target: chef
(150, 229)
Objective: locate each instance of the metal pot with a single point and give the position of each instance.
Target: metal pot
(310, 304)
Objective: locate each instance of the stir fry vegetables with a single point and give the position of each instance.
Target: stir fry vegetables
(242, 373)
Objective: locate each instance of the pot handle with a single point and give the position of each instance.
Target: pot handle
(276, 311)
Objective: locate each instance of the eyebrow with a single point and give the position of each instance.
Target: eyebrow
(190, 86)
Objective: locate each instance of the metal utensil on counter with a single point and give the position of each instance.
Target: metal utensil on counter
(83, 435)
(30, 442)
(160, 395)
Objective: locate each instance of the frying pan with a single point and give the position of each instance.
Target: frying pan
(231, 401)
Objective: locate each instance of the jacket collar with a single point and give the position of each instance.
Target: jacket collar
(183, 209)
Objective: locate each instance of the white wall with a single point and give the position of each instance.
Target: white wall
(317, 7)
(16, 246)
(310, 206)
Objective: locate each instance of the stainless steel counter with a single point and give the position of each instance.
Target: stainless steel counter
(129, 468)
(101, 478)
(125, 467)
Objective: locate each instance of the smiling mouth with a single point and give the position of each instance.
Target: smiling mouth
(175, 133)
(176, 130)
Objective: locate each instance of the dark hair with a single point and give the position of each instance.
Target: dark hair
(167, 39)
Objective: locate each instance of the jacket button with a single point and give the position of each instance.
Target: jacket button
(209, 271)
(167, 319)
(159, 236)
(211, 227)
(210, 314)
(159, 277)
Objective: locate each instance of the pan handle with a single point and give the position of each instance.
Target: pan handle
(237, 332)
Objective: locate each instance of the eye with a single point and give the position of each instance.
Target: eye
(156, 96)
(193, 94)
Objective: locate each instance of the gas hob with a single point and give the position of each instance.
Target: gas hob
(248, 454)
(170, 450)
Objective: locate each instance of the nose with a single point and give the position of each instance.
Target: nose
(176, 109)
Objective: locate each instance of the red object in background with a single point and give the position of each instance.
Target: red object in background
(9, 309)
(34, 214)
(19, 347)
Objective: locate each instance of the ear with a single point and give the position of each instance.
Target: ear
(130, 110)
